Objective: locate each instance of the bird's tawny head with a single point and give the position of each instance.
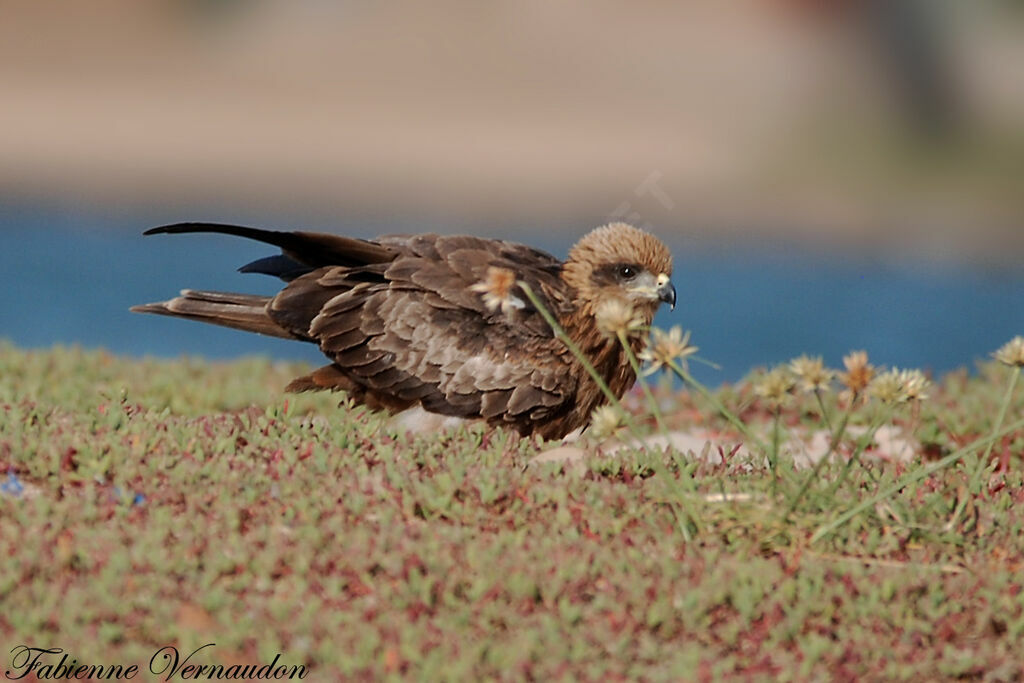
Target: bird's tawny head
(618, 261)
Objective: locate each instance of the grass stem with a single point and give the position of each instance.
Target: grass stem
(833, 444)
(983, 461)
(773, 454)
(906, 480)
(862, 444)
(682, 373)
(824, 413)
(574, 348)
(635, 364)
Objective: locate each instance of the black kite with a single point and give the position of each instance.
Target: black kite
(440, 321)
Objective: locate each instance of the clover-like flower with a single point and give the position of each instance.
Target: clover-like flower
(775, 386)
(665, 348)
(858, 371)
(615, 315)
(497, 290)
(605, 421)
(811, 373)
(1011, 353)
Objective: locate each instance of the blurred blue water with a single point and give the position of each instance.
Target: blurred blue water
(69, 277)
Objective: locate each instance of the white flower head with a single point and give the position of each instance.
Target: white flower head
(1011, 353)
(775, 386)
(889, 387)
(811, 373)
(615, 315)
(665, 348)
(915, 385)
(605, 421)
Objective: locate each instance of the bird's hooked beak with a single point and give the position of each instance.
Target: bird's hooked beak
(666, 290)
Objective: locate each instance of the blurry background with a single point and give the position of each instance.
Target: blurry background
(831, 174)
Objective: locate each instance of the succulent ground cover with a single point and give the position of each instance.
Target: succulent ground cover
(147, 503)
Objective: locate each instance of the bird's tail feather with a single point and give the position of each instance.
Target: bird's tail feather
(246, 312)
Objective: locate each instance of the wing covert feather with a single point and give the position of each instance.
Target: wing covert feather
(423, 334)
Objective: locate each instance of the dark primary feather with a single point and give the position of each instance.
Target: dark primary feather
(308, 248)
(279, 266)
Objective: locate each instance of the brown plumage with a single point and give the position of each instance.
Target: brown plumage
(439, 321)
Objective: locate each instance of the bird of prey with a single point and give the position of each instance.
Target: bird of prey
(441, 323)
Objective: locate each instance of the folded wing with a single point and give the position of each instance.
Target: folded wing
(413, 331)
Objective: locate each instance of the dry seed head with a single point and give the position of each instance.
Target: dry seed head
(858, 371)
(497, 290)
(615, 315)
(811, 373)
(1011, 353)
(665, 348)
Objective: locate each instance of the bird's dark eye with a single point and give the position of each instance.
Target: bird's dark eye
(627, 272)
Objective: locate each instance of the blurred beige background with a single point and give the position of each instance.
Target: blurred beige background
(839, 124)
